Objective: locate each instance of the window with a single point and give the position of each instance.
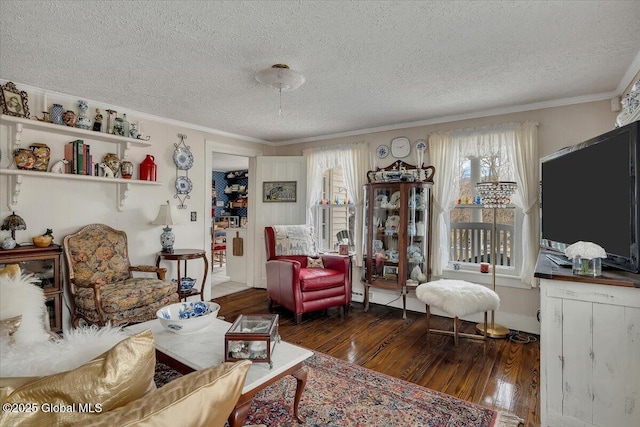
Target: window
(471, 225)
(482, 156)
(335, 216)
(347, 164)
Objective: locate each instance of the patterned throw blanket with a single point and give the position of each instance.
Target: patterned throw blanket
(295, 240)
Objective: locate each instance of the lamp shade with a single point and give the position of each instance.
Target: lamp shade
(281, 77)
(167, 215)
(12, 223)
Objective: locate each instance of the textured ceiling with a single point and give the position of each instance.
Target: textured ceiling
(367, 64)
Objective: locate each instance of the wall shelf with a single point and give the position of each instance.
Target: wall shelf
(68, 130)
(16, 176)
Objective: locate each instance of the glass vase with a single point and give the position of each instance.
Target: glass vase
(587, 267)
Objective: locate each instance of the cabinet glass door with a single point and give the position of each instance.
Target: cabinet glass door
(417, 233)
(386, 232)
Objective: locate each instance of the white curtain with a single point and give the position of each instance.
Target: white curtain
(354, 160)
(514, 141)
(443, 155)
(527, 176)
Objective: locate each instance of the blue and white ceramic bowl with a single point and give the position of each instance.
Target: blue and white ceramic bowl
(188, 317)
(186, 283)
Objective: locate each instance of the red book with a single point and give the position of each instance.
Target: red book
(68, 156)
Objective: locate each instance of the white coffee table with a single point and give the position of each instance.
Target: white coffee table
(187, 353)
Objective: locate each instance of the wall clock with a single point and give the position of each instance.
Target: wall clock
(382, 151)
(400, 147)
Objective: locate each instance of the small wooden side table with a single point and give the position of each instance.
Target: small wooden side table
(185, 255)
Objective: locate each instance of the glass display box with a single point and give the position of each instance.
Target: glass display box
(252, 337)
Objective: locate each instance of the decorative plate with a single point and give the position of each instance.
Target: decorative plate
(395, 199)
(377, 245)
(382, 151)
(183, 185)
(183, 158)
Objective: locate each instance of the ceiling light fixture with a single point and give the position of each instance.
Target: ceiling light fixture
(280, 77)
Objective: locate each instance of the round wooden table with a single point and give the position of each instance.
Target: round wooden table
(185, 255)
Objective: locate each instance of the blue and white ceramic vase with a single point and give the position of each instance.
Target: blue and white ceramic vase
(167, 239)
(56, 113)
(83, 121)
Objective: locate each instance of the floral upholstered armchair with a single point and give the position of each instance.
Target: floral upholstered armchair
(100, 280)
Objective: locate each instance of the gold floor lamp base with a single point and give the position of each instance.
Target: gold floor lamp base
(498, 331)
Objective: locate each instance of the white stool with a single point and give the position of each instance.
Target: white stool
(458, 298)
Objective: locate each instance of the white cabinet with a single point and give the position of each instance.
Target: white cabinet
(18, 133)
(589, 354)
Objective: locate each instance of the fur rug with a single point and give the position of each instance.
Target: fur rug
(20, 296)
(50, 357)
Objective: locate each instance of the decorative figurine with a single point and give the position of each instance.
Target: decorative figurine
(108, 173)
(59, 166)
(97, 121)
(83, 121)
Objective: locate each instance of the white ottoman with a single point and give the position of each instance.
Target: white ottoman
(458, 298)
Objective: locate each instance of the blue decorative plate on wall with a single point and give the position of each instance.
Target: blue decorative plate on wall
(183, 185)
(382, 151)
(183, 158)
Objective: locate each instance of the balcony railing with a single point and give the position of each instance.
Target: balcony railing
(471, 242)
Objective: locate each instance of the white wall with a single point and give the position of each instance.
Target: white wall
(66, 206)
(559, 127)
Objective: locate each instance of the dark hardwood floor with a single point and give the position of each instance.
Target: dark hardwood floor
(507, 378)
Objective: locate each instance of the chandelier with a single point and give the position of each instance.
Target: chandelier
(280, 77)
(496, 194)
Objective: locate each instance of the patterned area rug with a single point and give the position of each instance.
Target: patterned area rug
(339, 393)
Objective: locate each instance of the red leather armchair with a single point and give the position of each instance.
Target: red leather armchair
(302, 290)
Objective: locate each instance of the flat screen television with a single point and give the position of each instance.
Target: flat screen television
(590, 193)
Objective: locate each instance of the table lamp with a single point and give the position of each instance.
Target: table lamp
(495, 195)
(168, 215)
(12, 223)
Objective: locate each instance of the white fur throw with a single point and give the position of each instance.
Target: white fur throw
(51, 357)
(458, 297)
(20, 296)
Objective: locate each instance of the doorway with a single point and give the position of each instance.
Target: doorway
(229, 170)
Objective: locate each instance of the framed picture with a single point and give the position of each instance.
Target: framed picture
(390, 272)
(279, 191)
(13, 101)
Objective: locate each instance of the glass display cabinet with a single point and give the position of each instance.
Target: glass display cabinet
(45, 264)
(252, 337)
(397, 229)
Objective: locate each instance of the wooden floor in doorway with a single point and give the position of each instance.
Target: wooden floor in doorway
(507, 378)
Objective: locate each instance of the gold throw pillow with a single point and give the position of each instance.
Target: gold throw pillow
(113, 379)
(314, 263)
(201, 398)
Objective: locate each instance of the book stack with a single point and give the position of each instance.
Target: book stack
(78, 154)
